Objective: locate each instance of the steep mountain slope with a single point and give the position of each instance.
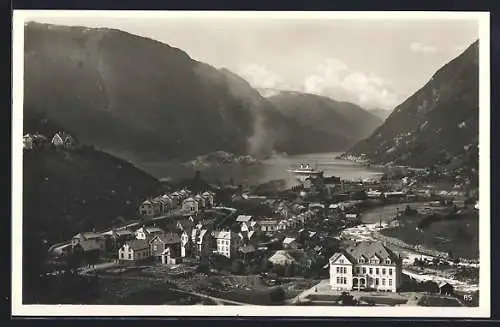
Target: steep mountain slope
(143, 100)
(437, 125)
(327, 115)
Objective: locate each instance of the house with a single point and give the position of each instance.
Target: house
(201, 241)
(147, 233)
(150, 208)
(282, 225)
(190, 205)
(63, 140)
(445, 288)
(209, 199)
(227, 242)
(298, 258)
(89, 241)
(365, 266)
(135, 250)
(268, 225)
(290, 243)
(160, 243)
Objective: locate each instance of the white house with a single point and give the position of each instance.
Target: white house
(268, 225)
(227, 243)
(150, 208)
(366, 266)
(134, 250)
(89, 241)
(290, 243)
(63, 140)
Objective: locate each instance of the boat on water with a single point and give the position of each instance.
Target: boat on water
(305, 171)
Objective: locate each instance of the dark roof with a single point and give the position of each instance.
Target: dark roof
(138, 244)
(169, 238)
(367, 250)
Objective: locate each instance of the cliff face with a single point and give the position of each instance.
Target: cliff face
(438, 125)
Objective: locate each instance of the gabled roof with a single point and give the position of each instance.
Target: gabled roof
(288, 240)
(168, 238)
(227, 235)
(268, 222)
(247, 248)
(369, 249)
(138, 244)
(443, 283)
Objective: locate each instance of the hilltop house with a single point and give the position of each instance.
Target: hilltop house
(89, 241)
(63, 140)
(134, 250)
(147, 233)
(190, 205)
(160, 243)
(365, 266)
(227, 242)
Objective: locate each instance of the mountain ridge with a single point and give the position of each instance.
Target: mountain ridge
(434, 126)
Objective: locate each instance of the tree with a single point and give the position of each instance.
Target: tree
(237, 267)
(277, 295)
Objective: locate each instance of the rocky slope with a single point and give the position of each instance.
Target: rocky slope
(380, 113)
(438, 125)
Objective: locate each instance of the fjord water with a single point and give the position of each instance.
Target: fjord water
(275, 168)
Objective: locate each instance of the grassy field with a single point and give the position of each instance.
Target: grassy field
(459, 236)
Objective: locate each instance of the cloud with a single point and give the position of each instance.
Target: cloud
(337, 81)
(419, 47)
(332, 78)
(260, 77)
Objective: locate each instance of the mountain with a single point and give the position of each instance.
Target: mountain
(326, 115)
(438, 125)
(380, 113)
(77, 190)
(145, 101)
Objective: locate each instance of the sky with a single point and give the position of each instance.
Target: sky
(376, 64)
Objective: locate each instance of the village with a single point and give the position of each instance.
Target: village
(305, 245)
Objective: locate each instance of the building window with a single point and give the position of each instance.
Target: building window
(390, 271)
(371, 271)
(383, 281)
(357, 270)
(390, 282)
(130, 256)
(345, 280)
(338, 280)
(388, 261)
(364, 270)
(376, 281)
(383, 271)
(345, 270)
(341, 261)
(122, 255)
(377, 271)
(361, 260)
(338, 270)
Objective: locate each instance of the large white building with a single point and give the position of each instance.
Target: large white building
(366, 266)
